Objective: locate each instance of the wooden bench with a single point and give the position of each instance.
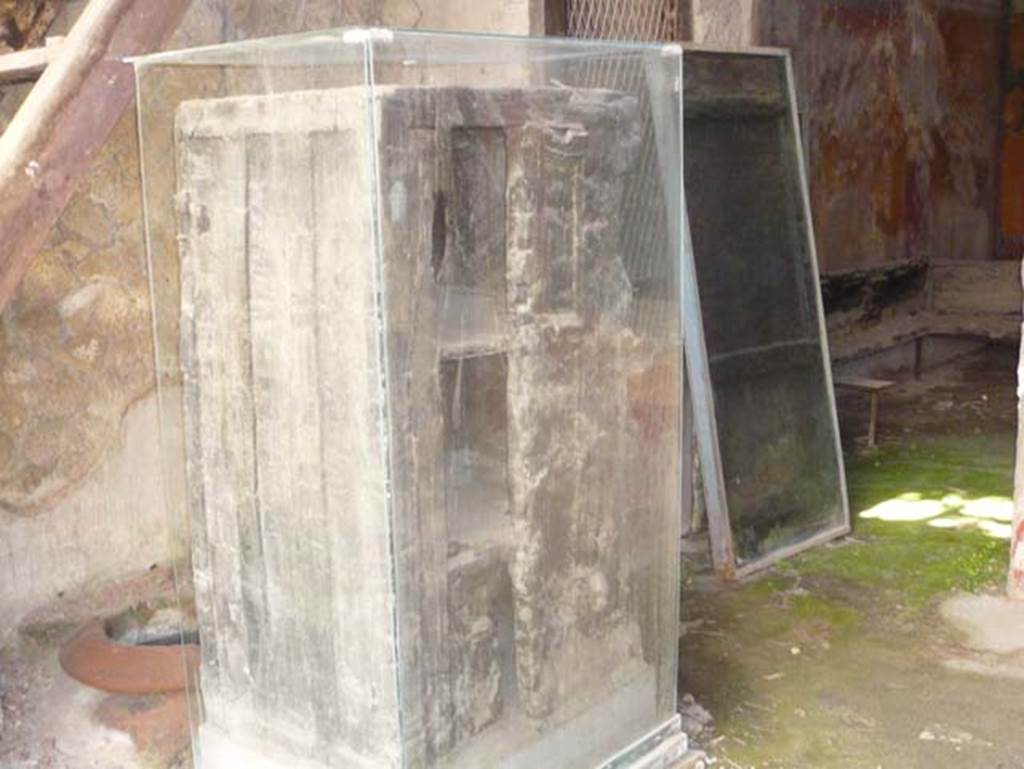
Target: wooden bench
(873, 387)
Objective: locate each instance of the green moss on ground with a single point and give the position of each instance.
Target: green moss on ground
(837, 616)
(840, 658)
(912, 562)
(818, 662)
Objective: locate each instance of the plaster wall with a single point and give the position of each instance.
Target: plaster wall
(112, 523)
(78, 475)
(900, 102)
(1011, 196)
(724, 22)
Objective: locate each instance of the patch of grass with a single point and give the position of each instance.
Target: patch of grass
(767, 586)
(975, 465)
(854, 611)
(911, 562)
(837, 616)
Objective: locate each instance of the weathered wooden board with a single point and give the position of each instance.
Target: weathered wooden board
(286, 469)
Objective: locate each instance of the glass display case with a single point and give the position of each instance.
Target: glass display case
(417, 307)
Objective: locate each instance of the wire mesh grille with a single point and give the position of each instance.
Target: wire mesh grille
(648, 256)
(646, 250)
(623, 19)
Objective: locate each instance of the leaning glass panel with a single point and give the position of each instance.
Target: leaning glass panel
(770, 393)
(422, 405)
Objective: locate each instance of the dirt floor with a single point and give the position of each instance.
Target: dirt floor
(860, 654)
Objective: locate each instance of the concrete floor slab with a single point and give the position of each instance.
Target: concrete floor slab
(991, 623)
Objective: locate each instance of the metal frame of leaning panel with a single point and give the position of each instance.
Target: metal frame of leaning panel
(699, 375)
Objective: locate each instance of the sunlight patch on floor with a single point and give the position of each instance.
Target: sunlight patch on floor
(991, 515)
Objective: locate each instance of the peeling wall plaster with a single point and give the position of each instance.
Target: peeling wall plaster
(899, 100)
(1012, 165)
(114, 522)
(723, 22)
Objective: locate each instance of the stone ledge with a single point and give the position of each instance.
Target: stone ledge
(898, 330)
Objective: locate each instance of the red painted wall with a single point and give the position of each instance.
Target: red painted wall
(1012, 166)
(901, 104)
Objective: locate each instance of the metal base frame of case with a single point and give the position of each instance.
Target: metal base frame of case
(666, 747)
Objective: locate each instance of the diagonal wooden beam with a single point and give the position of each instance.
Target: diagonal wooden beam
(67, 117)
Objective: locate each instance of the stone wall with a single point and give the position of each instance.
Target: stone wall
(723, 22)
(78, 424)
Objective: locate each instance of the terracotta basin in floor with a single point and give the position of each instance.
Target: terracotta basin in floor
(94, 659)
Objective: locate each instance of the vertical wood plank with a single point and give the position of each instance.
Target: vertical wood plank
(215, 354)
(282, 316)
(409, 166)
(357, 527)
(556, 18)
